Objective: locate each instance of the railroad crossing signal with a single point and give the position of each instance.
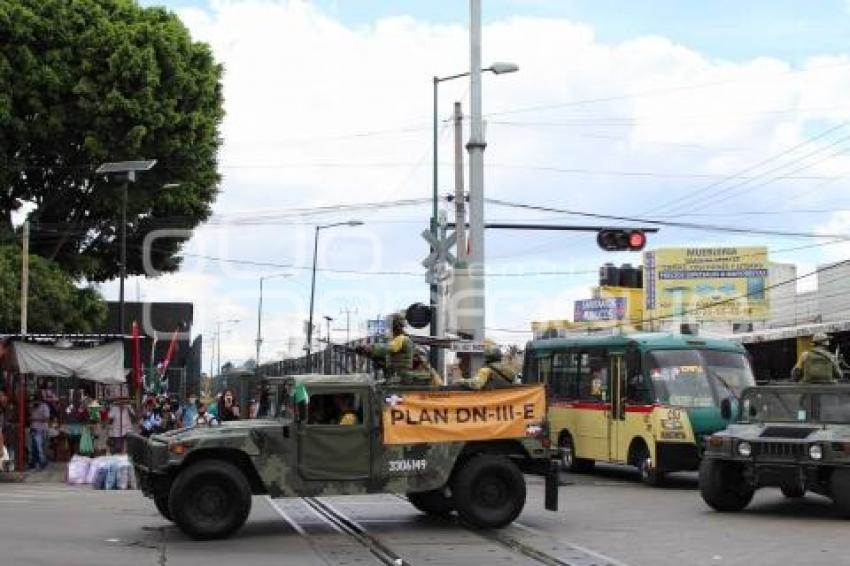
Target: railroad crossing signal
(615, 240)
(440, 249)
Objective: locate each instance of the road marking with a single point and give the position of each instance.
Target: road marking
(285, 516)
(599, 556)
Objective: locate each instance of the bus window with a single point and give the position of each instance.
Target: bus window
(565, 375)
(593, 377)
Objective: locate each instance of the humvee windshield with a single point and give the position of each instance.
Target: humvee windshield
(797, 405)
(697, 378)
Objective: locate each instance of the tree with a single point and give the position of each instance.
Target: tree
(97, 81)
(55, 304)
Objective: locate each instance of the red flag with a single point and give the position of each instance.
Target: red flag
(169, 354)
(137, 356)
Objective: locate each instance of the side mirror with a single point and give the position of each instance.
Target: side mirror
(726, 409)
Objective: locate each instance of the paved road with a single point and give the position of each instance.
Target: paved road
(606, 518)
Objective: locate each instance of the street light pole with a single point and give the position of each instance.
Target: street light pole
(498, 68)
(128, 170)
(309, 347)
(260, 313)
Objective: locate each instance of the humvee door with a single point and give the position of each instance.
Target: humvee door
(327, 449)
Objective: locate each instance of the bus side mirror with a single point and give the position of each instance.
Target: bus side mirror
(726, 409)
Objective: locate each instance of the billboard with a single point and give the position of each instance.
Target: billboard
(592, 310)
(707, 284)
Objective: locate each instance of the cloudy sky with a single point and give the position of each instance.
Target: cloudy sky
(727, 113)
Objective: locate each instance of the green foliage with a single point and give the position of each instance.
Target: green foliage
(55, 303)
(84, 82)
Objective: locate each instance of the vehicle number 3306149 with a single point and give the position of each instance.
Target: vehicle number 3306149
(400, 466)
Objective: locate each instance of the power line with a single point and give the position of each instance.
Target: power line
(685, 225)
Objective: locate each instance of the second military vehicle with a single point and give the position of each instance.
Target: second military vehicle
(794, 437)
(447, 450)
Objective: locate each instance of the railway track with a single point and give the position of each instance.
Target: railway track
(514, 545)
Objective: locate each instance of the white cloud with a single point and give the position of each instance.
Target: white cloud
(297, 81)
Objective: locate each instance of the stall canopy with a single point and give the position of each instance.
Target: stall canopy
(104, 364)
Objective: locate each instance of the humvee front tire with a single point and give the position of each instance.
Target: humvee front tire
(434, 502)
(723, 487)
(210, 500)
(793, 491)
(488, 491)
(160, 500)
(839, 491)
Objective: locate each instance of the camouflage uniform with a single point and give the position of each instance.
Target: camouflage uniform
(817, 365)
(494, 374)
(396, 355)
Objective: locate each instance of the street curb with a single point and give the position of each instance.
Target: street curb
(13, 477)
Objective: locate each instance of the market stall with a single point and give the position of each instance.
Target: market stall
(73, 386)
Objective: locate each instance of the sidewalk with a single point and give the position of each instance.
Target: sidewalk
(55, 472)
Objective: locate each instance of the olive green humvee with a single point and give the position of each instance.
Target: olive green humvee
(795, 437)
(202, 478)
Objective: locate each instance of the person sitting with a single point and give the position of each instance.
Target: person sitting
(348, 416)
(494, 374)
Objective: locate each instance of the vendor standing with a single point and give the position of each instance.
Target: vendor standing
(39, 422)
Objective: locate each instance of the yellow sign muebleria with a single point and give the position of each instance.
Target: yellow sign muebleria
(723, 284)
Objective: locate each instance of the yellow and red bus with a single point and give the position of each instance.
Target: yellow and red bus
(647, 400)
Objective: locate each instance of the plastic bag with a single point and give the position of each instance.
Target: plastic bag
(94, 468)
(124, 473)
(111, 480)
(78, 470)
(99, 481)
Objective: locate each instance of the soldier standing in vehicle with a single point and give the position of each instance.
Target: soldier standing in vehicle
(493, 374)
(817, 364)
(396, 355)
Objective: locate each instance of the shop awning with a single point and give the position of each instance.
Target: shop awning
(104, 364)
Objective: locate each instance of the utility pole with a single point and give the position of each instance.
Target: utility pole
(348, 312)
(460, 197)
(25, 277)
(475, 146)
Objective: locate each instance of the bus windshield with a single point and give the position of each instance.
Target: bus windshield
(698, 378)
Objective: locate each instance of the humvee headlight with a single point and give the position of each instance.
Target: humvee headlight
(816, 452)
(177, 448)
(745, 449)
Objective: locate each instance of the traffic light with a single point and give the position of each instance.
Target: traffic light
(621, 240)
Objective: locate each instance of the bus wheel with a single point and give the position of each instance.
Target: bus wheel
(649, 473)
(723, 487)
(569, 462)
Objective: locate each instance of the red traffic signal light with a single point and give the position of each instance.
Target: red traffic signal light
(621, 240)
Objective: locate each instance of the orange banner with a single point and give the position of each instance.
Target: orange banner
(458, 416)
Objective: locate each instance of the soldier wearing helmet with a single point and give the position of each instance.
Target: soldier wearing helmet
(396, 355)
(493, 374)
(817, 364)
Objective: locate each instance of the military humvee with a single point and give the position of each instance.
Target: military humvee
(794, 437)
(446, 450)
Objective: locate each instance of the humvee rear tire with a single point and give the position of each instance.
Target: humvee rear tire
(210, 500)
(434, 502)
(160, 500)
(839, 491)
(569, 462)
(793, 491)
(723, 487)
(488, 491)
